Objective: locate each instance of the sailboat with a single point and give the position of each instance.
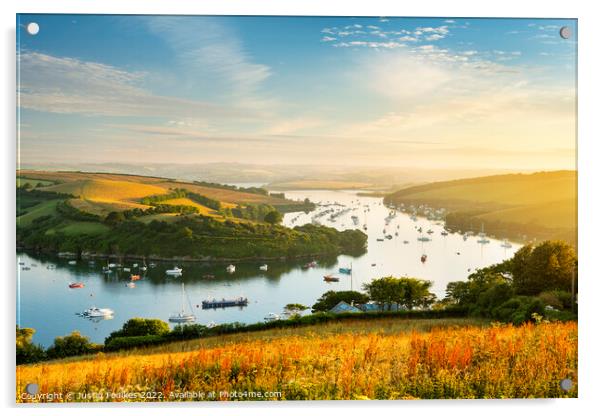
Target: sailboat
(182, 316)
(506, 244)
(483, 238)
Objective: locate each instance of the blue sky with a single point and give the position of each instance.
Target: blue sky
(356, 91)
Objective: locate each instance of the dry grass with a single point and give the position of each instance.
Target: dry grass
(128, 188)
(105, 190)
(363, 361)
(190, 203)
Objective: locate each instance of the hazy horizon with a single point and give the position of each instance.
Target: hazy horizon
(399, 93)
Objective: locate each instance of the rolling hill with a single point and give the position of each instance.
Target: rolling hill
(159, 218)
(101, 193)
(540, 205)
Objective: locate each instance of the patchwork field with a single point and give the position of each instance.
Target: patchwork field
(364, 359)
(101, 193)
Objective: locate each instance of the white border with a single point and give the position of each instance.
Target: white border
(590, 208)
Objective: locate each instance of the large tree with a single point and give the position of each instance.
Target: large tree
(548, 266)
(403, 291)
(330, 299)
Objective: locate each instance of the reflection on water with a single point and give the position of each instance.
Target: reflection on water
(46, 303)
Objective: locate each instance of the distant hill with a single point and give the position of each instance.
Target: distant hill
(540, 205)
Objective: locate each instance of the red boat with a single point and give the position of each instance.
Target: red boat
(76, 285)
(135, 277)
(330, 278)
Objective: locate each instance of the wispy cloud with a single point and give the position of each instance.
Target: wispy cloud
(209, 50)
(68, 85)
(353, 36)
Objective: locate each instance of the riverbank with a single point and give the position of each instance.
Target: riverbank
(175, 259)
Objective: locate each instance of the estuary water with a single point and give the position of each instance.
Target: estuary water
(47, 304)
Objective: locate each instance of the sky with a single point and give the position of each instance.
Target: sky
(341, 91)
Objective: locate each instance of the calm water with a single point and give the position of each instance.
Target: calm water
(47, 304)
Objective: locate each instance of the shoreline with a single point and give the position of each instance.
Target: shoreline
(185, 259)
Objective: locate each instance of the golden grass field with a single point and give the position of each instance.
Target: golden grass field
(101, 193)
(376, 359)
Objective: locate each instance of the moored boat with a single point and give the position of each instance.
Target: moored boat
(330, 278)
(176, 271)
(224, 303)
(271, 317)
(76, 285)
(95, 312)
(182, 316)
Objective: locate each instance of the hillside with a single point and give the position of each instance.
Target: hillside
(357, 359)
(125, 215)
(540, 205)
(126, 189)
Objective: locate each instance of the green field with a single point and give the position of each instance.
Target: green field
(167, 217)
(37, 211)
(21, 181)
(82, 227)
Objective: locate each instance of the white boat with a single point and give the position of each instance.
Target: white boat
(143, 268)
(126, 269)
(263, 267)
(131, 285)
(112, 265)
(72, 262)
(506, 244)
(135, 265)
(51, 267)
(95, 312)
(231, 268)
(483, 238)
(182, 316)
(176, 271)
(271, 317)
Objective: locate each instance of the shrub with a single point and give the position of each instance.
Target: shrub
(124, 343)
(72, 345)
(190, 331)
(559, 299)
(30, 353)
(136, 327)
(26, 351)
(518, 309)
